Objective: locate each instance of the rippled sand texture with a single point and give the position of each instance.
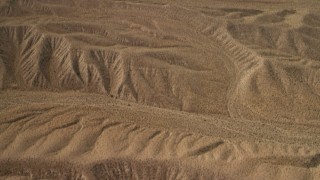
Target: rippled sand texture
(159, 89)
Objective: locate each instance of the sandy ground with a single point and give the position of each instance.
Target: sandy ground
(159, 89)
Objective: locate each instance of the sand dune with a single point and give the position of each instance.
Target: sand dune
(159, 89)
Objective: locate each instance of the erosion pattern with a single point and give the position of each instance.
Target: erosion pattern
(132, 89)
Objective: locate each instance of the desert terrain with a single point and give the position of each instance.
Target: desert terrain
(160, 89)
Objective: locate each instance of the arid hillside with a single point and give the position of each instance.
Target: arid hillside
(127, 89)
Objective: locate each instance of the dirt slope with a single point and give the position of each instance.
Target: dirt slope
(159, 89)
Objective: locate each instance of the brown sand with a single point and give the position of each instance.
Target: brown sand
(151, 89)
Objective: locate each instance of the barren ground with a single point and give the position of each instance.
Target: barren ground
(166, 89)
